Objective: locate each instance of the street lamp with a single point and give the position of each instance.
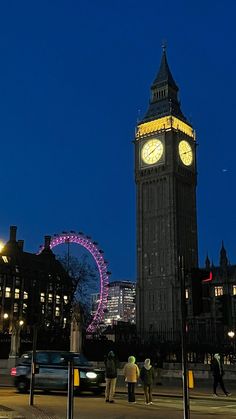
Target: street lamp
(231, 334)
(5, 316)
(1, 246)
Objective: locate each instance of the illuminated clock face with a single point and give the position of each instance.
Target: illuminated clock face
(185, 153)
(152, 151)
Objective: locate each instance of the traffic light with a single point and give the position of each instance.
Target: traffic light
(225, 308)
(198, 277)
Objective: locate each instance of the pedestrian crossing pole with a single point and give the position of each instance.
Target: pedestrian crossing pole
(183, 339)
(70, 394)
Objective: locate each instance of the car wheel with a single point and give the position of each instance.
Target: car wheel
(22, 386)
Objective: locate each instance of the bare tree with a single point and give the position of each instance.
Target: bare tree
(84, 280)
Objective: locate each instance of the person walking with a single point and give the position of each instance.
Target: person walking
(131, 373)
(218, 372)
(111, 376)
(147, 377)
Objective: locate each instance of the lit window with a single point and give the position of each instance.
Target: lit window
(57, 312)
(17, 293)
(25, 295)
(24, 307)
(50, 298)
(58, 299)
(65, 299)
(42, 297)
(218, 291)
(5, 259)
(43, 309)
(234, 289)
(7, 292)
(15, 308)
(64, 322)
(186, 293)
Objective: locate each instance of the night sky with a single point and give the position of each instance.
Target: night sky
(74, 78)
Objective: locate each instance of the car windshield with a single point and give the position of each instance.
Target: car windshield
(26, 358)
(56, 358)
(80, 359)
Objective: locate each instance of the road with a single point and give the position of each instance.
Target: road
(53, 406)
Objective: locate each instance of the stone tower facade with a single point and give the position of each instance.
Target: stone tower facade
(165, 174)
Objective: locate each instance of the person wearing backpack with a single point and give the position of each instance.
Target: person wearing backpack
(111, 376)
(147, 377)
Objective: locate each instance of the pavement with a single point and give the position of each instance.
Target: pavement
(169, 388)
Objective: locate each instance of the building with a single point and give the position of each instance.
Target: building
(33, 288)
(166, 177)
(120, 304)
(217, 308)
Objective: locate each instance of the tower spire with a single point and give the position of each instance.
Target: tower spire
(164, 93)
(223, 256)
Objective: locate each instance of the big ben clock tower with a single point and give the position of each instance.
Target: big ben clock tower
(165, 174)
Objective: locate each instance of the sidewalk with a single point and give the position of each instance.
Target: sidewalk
(168, 389)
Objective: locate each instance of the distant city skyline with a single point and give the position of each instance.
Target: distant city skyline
(74, 79)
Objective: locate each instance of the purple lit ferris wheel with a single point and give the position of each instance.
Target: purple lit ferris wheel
(97, 254)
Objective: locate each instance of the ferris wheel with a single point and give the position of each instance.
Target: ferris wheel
(97, 254)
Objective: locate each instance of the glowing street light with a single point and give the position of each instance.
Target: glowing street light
(231, 334)
(21, 322)
(5, 316)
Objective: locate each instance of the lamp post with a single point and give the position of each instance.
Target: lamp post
(183, 339)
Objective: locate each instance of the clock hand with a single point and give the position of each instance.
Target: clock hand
(154, 149)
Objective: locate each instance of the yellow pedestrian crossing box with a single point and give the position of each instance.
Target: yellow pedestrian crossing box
(190, 379)
(76, 377)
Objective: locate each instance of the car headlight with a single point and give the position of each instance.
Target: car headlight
(91, 375)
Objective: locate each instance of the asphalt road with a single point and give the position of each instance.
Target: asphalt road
(53, 406)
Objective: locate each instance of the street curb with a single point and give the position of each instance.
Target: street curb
(180, 396)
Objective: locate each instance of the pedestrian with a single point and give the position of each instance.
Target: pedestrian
(147, 377)
(131, 373)
(218, 372)
(111, 376)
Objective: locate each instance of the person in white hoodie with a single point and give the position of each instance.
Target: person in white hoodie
(147, 377)
(218, 372)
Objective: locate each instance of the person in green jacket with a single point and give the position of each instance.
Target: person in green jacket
(147, 377)
(131, 373)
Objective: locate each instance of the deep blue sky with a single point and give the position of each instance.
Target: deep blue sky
(74, 75)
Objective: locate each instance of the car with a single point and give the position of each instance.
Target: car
(52, 372)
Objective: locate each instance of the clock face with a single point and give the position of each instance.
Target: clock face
(185, 153)
(152, 151)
